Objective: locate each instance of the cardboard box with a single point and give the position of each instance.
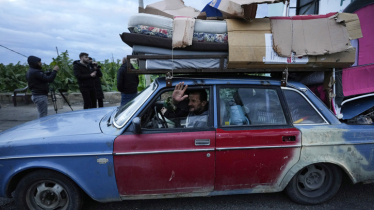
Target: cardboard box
(314, 34)
(250, 46)
(352, 23)
(171, 8)
(245, 9)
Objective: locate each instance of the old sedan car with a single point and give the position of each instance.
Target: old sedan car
(259, 137)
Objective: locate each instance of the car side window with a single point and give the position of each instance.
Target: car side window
(250, 106)
(164, 114)
(301, 111)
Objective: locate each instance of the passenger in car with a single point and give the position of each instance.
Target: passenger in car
(195, 109)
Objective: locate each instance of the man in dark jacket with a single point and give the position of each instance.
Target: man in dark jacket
(86, 80)
(127, 83)
(99, 91)
(38, 84)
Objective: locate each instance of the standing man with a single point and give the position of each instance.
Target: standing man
(86, 80)
(38, 84)
(127, 83)
(99, 91)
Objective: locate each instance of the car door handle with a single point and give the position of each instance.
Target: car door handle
(289, 138)
(202, 142)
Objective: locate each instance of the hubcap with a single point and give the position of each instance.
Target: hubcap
(314, 180)
(47, 195)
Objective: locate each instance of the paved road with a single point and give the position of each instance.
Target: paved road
(350, 196)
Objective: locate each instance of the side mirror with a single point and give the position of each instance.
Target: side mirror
(136, 125)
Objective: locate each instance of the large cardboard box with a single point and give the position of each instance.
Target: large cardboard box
(314, 34)
(251, 46)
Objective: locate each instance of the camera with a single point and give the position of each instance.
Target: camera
(48, 72)
(96, 65)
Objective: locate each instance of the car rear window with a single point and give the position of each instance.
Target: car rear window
(250, 106)
(301, 110)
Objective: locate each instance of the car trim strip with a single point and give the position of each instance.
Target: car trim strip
(59, 155)
(338, 144)
(165, 151)
(259, 147)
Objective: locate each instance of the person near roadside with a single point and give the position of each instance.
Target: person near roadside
(99, 91)
(127, 83)
(86, 80)
(38, 82)
(195, 109)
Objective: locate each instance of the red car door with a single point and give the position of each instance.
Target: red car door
(165, 161)
(256, 152)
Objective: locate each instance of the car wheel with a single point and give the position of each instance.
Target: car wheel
(315, 184)
(50, 190)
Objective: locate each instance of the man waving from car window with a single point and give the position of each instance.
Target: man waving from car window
(196, 108)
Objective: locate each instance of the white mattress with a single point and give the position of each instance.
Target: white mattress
(162, 51)
(211, 26)
(150, 20)
(207, 26)
(168, 64)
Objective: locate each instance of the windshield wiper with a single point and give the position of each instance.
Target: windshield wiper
(109, 122)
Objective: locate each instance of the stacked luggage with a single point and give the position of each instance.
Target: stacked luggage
(152, 35)
(312, 41)
(230, 39)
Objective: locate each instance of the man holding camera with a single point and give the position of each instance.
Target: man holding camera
(86, 80)
(38, 84)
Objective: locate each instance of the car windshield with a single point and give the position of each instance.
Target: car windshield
(125, 112)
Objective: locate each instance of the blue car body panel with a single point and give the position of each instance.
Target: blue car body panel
(82, 152)
(349, 146)
(353, 108)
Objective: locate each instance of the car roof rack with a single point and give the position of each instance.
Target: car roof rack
(221, 69)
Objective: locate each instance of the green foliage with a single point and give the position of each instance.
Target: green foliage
(65, 78)
(14, 76)
(109, 70)
(141, 83)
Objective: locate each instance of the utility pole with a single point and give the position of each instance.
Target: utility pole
(141, 6)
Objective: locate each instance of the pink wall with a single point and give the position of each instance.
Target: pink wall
(366, 43)
(360, 79)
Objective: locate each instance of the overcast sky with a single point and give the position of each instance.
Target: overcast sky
(37, 27)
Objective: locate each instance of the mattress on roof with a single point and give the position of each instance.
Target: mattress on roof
(206, 26)
(154, 41)
(169, 64)
(161, 51)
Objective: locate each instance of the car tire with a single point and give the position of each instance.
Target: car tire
(44, 189)
(315, 184)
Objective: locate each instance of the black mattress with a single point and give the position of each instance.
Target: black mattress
(132, 39)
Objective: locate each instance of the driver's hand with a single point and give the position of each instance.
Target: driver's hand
(163, 110)
(178, 93)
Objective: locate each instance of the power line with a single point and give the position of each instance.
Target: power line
(13, 51)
